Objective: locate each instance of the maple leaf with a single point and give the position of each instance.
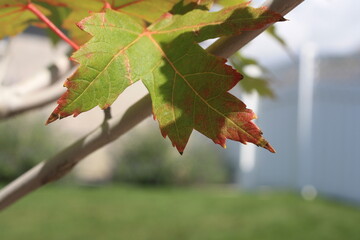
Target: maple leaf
(188, 86)
(151, 10)
(148, 10)
(77, 13)
(14, 18)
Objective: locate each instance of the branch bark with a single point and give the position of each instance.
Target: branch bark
(63, 162)
(13, 105)
(227, 46)
(37, 91)
(59, 165)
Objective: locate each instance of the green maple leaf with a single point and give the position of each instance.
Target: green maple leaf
(188, 86)
(151, 10)
(148, 10)
(14, 18)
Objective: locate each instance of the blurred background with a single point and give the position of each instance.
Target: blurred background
(302, 81)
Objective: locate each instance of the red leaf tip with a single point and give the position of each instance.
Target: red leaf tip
(270, 148)
(105, 106)
(80, 24)
(266, 145)
(76, 112)
(221, 141)
(180, 149)
(53, 117)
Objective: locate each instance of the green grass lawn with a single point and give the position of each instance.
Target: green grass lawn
(129, 213)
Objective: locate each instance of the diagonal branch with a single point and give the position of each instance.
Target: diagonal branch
(59, 165)
(227, 46)
(62, 163)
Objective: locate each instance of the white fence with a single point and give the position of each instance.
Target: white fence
(315, 128)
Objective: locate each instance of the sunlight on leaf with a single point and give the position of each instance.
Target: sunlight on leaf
(188, 86)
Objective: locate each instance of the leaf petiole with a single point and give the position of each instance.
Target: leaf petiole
(31, 7)
(107, 5)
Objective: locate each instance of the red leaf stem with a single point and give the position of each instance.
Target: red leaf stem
(31, 7)
(107, 5)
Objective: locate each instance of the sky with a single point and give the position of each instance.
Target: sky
(333, 26)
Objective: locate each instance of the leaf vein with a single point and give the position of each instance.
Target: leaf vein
(172, 105)
(112, 26)
(197, 94)
(128, 68)
(105, 68)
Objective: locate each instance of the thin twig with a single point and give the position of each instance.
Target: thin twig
(63, 162)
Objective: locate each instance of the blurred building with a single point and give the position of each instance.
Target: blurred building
(314, 126)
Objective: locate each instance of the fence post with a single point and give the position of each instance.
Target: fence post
(307, 69)
(247, 159)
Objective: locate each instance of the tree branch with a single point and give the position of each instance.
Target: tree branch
(39, 90)
(11, 104)
(63, 162)
(227, 46)
(59, 165)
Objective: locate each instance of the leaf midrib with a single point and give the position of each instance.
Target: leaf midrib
(196, 93)
(105, 68)
(149, 34)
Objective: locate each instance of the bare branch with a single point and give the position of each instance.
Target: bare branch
(227, 46)
(63, 162)
(11, 105)
(57, 166)
(42, 79)
(37, 91)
